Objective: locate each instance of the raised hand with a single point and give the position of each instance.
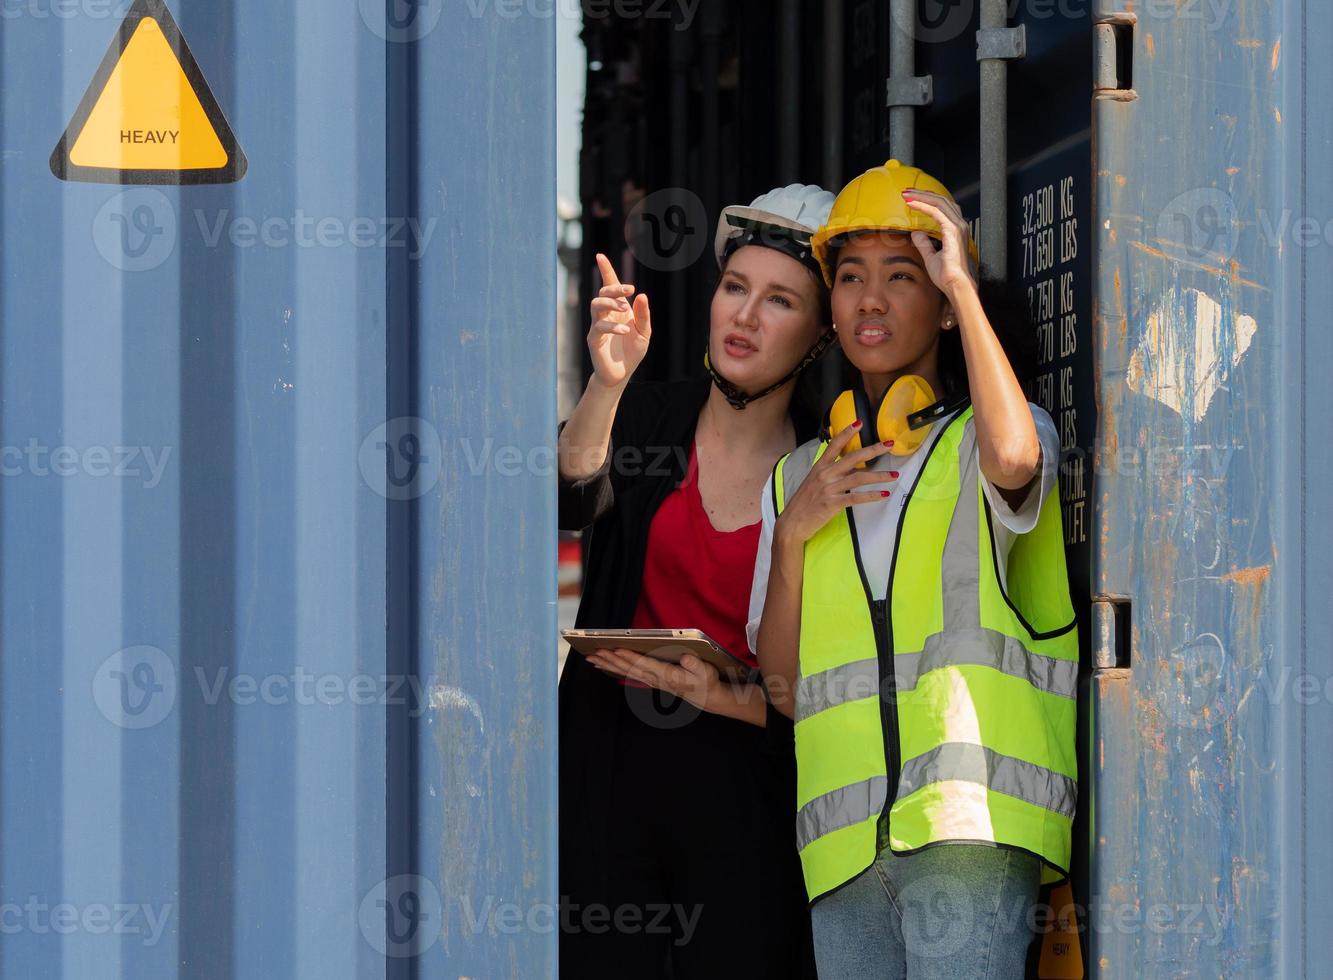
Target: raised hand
(952, 262)
(833, 484)
(621, 328)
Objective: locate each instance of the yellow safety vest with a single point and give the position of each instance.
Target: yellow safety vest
(961, 694)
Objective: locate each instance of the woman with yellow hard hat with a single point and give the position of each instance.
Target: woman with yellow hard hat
(910, 610)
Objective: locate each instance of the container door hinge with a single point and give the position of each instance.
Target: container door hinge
(1112, 627)
(1113, 58)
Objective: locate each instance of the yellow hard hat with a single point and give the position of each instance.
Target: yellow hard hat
(874, 201)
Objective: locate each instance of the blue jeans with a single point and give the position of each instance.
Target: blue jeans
(944, 912)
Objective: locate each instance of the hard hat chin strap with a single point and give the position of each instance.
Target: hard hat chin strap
(738, 399)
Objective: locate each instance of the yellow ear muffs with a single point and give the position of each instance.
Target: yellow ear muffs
(842, 414)
(907, 396)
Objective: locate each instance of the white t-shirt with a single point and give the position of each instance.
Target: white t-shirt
(877, 521)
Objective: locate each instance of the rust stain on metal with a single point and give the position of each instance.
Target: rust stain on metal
(1240, 871)
(1276, 57)
(1149, 46)
(1122, 894)
(1233, 273)
(1248, 576)
(1232, 171)
(1249, 42)
(1121, 180)
(1253, 578)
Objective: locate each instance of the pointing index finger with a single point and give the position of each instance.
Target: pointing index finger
(609, 277)
(838, 443)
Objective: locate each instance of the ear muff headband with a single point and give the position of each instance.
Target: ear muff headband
(904, 414)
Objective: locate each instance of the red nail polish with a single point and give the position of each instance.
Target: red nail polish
(856, 424)
(888, 442)
(893, 473)
(884, 493)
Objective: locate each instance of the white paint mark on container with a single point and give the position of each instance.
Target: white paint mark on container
(1188, 352)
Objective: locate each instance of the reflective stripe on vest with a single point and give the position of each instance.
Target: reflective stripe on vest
(985, 699)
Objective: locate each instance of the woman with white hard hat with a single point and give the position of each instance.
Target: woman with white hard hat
(677, 851)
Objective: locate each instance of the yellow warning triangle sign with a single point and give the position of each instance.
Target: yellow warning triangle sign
(149, 116)
(1061, 951)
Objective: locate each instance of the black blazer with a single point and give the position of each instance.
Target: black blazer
(650, 442)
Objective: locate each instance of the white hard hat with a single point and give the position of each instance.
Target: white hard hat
(785, 218)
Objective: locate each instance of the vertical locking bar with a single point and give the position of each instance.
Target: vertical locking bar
(789, 91)
(905, 90)
(831, 152)
(997, 45)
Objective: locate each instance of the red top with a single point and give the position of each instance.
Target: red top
(695, 576)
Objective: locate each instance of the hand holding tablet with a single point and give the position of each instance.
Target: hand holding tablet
(663, 644)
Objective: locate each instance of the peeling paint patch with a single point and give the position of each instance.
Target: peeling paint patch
(444, 696)
(1188, 351)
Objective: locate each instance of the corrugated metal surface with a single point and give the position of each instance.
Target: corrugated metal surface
(196, 684)
(1211, 794)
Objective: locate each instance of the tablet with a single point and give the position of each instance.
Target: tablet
(668, 645)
